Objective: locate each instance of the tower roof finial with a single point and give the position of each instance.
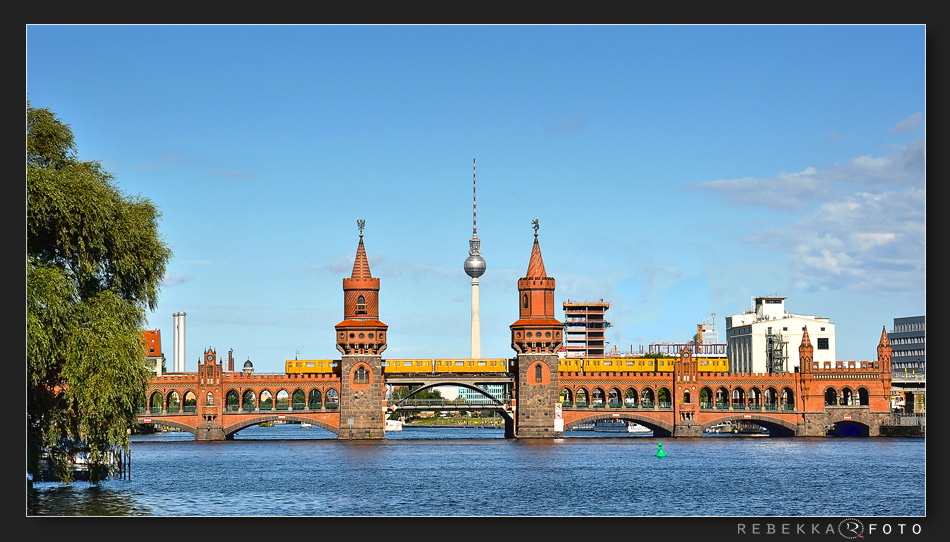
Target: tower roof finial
(360, 224)
(534, 224)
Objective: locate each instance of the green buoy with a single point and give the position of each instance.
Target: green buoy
(659, 449)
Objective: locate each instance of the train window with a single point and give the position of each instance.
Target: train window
(460, 364)
(312, 364)
(608, 363)
(483, 363)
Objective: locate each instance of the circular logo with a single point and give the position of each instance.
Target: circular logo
(851, 528)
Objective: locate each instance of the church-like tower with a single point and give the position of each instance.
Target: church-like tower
(361, 338)
(536, 337)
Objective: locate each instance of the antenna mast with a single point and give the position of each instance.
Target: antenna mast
(474, 228)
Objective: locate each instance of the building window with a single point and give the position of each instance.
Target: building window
(822, 343)
(537, 373)
(361, 376)
(361, 305)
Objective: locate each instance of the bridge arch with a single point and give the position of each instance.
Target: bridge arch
(614, 397)
(156, 403)
(190, 401)
(173, 423)
(248, 400)
(257, 420)
(314, 399)
(630, 396)
(664, 396)
(647, 397)
(660, 428)
(597, 396)
(831, 396)
(777, 427)
(466, 385)
(738, 395)
(173, 401)
(566, 395)
(583, 397)
(705, 396)
(788, 396)
(281, 399)
(265, 401)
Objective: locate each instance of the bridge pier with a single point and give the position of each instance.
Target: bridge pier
(687, 429)
(209, 432)
(362, 415)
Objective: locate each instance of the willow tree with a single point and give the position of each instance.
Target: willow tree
(94, 263)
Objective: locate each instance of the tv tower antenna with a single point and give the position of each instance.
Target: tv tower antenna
(474, 223)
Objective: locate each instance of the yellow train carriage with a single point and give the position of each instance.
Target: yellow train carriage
(713, 365)
(487, 365)
(308, 366)
(607, 365)
(407, 366)
(570, 365)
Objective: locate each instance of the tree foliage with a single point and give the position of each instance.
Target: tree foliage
(94, 263)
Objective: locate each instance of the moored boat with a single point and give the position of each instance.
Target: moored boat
(393, 425)
(637, 428)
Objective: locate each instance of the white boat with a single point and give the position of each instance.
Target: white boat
(305, 425)
(393, 425)
(637, 428)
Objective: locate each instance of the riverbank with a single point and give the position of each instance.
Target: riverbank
(456, 424)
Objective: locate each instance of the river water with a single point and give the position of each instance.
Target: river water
(288, 470)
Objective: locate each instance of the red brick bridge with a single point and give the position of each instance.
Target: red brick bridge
(816, 400)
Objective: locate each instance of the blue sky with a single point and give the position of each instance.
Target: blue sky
(676, 171)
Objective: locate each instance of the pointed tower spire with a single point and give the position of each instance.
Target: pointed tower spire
(536, 263)
(884, 352)
(361, 264)
(806, 353)
(536, 308)
(361, 308)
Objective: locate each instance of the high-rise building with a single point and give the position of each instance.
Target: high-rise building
(765, 338)
(584, 325)
(909, 345)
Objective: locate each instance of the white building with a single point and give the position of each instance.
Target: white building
(766, 338)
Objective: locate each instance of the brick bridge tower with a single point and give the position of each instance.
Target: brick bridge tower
(536, 337)
(361, 338)
(210, 397)
(686, 396)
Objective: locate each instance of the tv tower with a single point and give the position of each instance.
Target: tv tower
(474, 267)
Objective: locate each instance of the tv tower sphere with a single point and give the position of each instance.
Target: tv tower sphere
(474, 265)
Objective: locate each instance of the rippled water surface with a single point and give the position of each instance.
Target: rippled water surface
(292, 471)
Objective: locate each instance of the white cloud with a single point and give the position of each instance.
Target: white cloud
(798, 191)
(173, 279)
(908, 124)
(860, 225)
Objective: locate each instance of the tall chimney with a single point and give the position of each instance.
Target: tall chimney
(179, 342)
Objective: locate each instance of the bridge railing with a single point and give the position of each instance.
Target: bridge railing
(443, 403)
